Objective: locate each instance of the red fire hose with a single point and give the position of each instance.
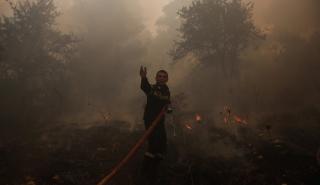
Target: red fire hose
(133, 150)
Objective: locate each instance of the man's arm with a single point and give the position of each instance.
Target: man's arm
(145, 85)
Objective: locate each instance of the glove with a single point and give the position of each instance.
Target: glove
(169, 109)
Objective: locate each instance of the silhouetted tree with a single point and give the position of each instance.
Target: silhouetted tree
(31, 44)
(33, 56)
(215, 31)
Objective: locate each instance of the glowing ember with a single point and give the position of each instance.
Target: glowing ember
(239, 120)
(188, 127)
(198, 118)
(228, 117)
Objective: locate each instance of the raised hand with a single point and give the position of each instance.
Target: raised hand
(143, 72)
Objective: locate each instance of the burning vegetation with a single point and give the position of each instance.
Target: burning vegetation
(244, 81)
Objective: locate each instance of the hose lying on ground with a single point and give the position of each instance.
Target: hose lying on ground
(133, 150)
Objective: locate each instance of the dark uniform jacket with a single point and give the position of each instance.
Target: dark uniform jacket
(158, 96)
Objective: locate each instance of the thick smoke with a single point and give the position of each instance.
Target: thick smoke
(274, 75)
(270, 68)
(293, 16)
(286, 58)
(278, 75)
(112, 44)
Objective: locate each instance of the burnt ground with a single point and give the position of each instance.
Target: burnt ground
(68, 154)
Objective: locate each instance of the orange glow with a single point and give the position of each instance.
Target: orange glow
(231, 117)
(239, 120)
(198, 117)
(188, 127)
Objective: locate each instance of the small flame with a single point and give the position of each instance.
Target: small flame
(239, 120)
(188, 126)
(198, 118)
(231, 117)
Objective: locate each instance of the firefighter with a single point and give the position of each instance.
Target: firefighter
(158, 96)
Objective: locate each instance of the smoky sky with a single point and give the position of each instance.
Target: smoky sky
(294, 15)
(117, 36)
(288, 15)
(280, 73)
